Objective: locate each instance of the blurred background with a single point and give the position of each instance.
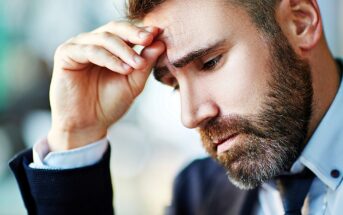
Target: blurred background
(150, 146)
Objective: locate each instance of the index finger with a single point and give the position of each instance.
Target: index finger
(130, 33)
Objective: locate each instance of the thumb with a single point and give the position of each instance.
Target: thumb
(150, 54)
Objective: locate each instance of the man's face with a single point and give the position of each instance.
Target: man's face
(248, 94)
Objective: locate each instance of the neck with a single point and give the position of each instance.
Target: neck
(326, 77)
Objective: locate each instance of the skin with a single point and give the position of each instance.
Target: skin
(96, 79)
(237, 85)
(204, 96)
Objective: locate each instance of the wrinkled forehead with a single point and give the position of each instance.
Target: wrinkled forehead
(188, 24)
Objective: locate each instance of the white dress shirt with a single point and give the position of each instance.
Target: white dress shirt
(79, 157)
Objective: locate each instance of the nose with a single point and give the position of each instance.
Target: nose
(196, 108)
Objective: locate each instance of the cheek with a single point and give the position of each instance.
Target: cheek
(241, 84)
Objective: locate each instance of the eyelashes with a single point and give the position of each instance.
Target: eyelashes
(211, 64)
(206, 67)
(176, 87)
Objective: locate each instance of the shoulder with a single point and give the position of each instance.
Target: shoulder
(201, 185)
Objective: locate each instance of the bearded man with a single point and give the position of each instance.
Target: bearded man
(256, 78)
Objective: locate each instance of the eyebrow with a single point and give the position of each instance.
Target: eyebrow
(160, 71)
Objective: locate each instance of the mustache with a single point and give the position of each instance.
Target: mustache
(224, 126)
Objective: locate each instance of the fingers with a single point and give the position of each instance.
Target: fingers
(115, 45)
(110, 46)
(150, 54)
(77, 55)
(130, 33)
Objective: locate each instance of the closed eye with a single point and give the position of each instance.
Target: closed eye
(208, 66)
(211, 64)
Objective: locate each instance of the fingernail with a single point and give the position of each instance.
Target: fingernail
(126, 67)
(149, 29)
(138, 60)
(144, 35)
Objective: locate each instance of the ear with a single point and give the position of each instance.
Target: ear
(301, 22)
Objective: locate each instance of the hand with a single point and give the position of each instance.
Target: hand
(96, 77)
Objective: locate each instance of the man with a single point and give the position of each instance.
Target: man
(256, 78)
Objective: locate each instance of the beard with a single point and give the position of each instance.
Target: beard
(268, 143)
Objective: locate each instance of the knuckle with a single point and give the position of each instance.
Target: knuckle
(90, 48)
(106, 35)
(61, 48)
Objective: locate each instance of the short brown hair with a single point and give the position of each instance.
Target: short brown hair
(137, 9)
(262, 12)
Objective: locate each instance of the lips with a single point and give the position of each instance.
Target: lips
(222, 140)
(223, 144)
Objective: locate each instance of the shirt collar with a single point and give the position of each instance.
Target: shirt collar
(323, 153)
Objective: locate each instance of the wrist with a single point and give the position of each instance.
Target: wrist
(61, 140)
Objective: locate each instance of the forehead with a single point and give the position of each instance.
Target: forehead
(189, 24)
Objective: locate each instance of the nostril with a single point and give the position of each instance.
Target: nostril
(199, 117)
(206, 112)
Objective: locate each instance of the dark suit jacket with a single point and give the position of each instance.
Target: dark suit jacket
(201, 188)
